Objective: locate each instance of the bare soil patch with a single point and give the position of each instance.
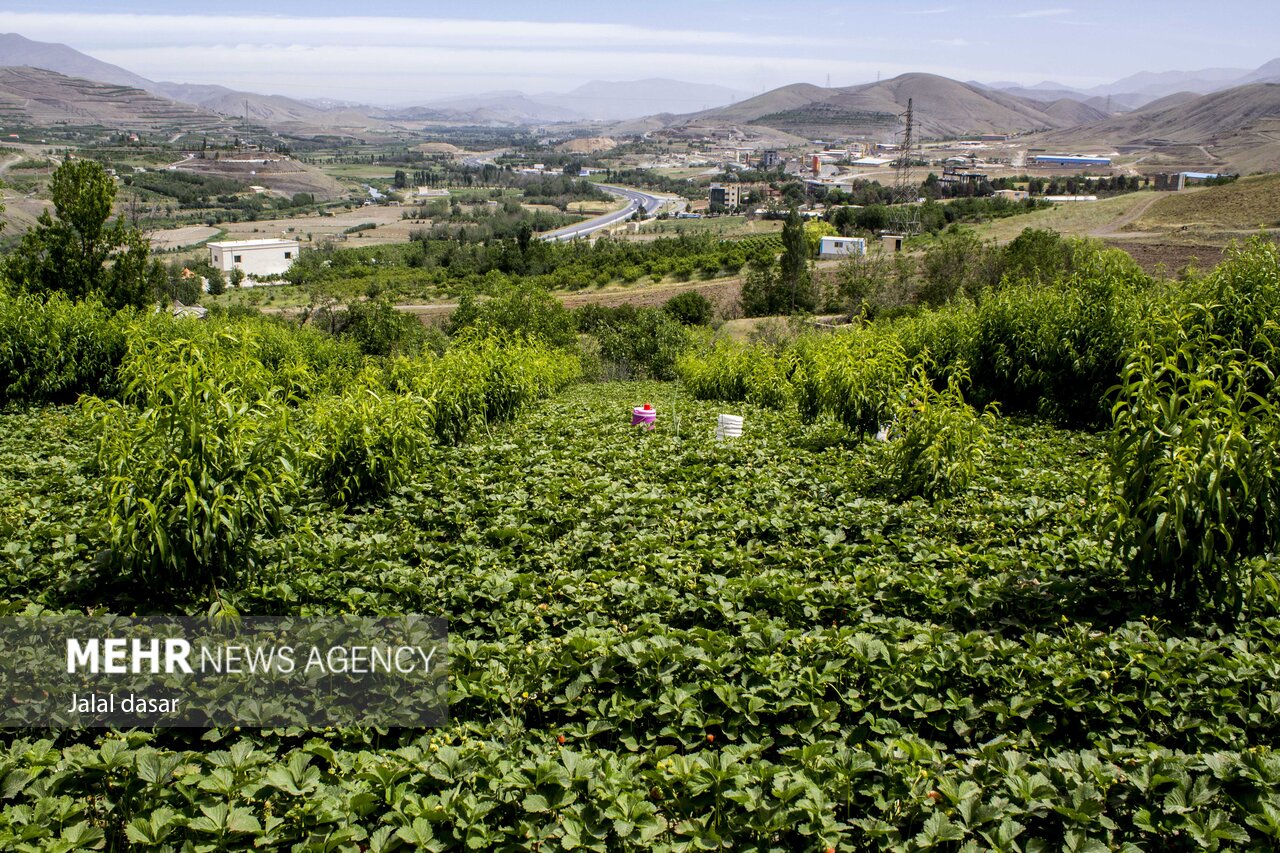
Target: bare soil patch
(1169, 258)
(177, 238)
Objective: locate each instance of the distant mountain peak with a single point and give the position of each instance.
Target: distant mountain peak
(17, 50)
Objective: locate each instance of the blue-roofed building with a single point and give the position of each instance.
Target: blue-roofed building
(1068, 160)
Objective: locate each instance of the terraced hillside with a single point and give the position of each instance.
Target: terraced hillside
(33, 96)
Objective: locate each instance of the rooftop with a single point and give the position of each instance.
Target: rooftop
(252, 244)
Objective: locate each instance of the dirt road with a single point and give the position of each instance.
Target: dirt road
(1130, 217)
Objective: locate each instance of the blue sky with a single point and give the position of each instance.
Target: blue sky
(399, 52)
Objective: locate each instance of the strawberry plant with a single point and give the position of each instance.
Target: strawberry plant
(667, 642)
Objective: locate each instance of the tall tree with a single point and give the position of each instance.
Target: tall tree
(794, 277)
(79, 253)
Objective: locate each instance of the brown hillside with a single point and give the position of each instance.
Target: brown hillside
(943, 108)
(1233, 130)
(1070, 112)
(1248, 203)
(45, 98)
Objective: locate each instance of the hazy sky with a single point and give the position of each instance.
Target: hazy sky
(398, 52)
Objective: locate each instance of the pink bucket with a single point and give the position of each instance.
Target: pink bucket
(645, 416)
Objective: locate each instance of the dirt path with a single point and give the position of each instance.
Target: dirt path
(1132, 216)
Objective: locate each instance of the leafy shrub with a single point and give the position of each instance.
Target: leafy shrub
(52, 351)
(380, 329)
(1056, 349)
(267, 357)
(939, 440)
(366, 442)
(195, 475)
(734, 372)
(854, 377)
(956, 262)
(1195, 472)
(1036, 256)
(634, 343)
(1195, 448)
(482, 380)
(1237, 306)
(941, 341)
(689, 308)
(522, 310)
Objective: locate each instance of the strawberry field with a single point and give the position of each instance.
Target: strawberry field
(659, 641)
(999, 576)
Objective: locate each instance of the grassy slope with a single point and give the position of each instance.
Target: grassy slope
(1249, 203)
(1075, 218)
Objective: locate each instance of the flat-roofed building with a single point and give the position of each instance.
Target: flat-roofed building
(838, 247)
(723, 197)
(254, 257)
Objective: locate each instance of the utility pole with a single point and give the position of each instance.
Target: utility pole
(902, 184)
(904, 215)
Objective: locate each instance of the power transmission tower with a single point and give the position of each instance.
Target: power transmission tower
(904, 215)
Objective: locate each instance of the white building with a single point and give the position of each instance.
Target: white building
(838, 247)
(254, 257)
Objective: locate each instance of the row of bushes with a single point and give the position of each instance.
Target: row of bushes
(1045, 346)
(1185, 376)
(208, 433)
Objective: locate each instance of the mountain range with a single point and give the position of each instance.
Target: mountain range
(1139, 90)
(1239, 115)
(597, 100)
(943, 107)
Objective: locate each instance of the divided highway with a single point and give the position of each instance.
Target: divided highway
(635, 199)
(653, 204)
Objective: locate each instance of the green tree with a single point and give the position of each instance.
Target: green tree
(794, 276)
(79, 253)
(217, 281)
(236, 278)
(861, 277)
(1036, 255)
(690, 308)
(760, 288)
(957, 261)
(815, 231)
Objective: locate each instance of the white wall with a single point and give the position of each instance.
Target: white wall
(835, 247)
(254, 260)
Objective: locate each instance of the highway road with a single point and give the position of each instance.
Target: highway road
(652, 204)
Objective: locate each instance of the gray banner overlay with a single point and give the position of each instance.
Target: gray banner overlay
(64, 670)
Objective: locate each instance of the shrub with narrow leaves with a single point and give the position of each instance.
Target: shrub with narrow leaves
(856, 378)
(939, 441)
(1195, 469)
(53, 350)
(366, 442)
(193, 475)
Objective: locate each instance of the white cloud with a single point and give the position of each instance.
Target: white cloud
(950, 42)
(1042, 13)
(400, 59)
(941, 11)
(104, 30)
